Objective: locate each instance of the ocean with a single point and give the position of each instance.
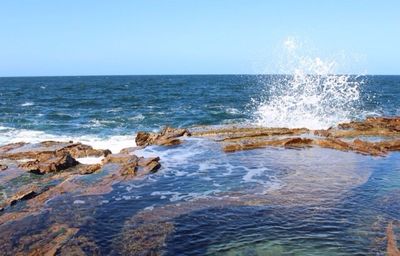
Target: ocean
(197, 197)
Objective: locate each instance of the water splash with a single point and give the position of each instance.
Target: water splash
(311, 96)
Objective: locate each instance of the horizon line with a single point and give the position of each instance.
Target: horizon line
(199, 74)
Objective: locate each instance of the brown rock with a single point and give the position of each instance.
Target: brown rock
(145, 138)
(129, 150)
(53, 164)
(391, 145)
(120, 158)
(89, 169)
(128, 169)
(288, 142)
(48, 149)
(168, 136)
(146, 161)
(151, 167)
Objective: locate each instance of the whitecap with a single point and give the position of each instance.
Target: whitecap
(138, 117)
(27, 104)
(89, 160)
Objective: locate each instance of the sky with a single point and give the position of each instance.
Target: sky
(128, 37)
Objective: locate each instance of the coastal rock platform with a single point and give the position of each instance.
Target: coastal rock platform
(48, 198)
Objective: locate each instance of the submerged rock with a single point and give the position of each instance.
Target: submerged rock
(23, 194)
(167, 137)
(3, 167)
(392, 249)
(146, 239)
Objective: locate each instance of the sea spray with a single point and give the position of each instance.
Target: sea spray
(311, 95)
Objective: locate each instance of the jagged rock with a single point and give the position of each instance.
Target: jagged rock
(167, 137)
(3, 167)
(130, 164)
(128, 169)
(149, 165)
(391, 145)
(288, 142)
(146, 161)
(120, 158)
(49, 149)
(89, 169)
(53, 164)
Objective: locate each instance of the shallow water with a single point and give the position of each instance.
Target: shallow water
(206, 202)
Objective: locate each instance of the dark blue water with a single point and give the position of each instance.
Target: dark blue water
(115, 105)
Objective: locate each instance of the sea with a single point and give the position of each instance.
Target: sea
(337, 203)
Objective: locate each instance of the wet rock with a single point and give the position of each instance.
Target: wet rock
(23, 194)
(3, 167)
(129, 150)
(389, 145)
(167, 137)
(128, 169)
(80, 245)
(50, 241)
(89, 169)
(241, 132)
(53, 164)
(9, 147)
(49, 149)
(130, 164)
(296, 142)
(120, 158)
(392, 249)
(149, 165)
(146, 161)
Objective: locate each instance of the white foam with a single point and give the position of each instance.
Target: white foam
(138, 117)
(27, 104)
(90, 160)
(313, 96)
(79, 202)
(113, 143)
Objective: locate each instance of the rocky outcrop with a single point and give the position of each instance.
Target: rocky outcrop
(167, 137)
(344, 137)
(295, 142)
(133, 165)
(53, 164)
(48, 149)
(89, 169)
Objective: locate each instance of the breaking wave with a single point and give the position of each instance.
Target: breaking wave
(311, 95)
(114, 143)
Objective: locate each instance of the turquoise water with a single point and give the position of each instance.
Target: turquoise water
(260, 202)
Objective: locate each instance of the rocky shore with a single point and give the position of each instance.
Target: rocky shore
(31, 175)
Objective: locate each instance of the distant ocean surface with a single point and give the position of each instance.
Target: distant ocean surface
(104, 106)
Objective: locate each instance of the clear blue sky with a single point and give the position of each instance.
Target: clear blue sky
(84, 37)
